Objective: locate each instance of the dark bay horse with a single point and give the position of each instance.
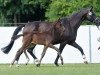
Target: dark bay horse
(71, 24)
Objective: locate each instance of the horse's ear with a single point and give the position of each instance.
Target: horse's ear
(58, 19)
(91, 8)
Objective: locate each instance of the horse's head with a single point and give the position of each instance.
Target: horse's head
(91, 16)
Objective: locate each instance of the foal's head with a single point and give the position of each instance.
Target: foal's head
(58, 25)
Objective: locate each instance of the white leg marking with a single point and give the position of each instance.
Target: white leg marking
(84, 57)
(37, 61)
(17, 65)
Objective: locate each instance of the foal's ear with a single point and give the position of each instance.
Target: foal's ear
(57, 22)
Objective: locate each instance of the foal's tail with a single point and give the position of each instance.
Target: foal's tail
(7, 48)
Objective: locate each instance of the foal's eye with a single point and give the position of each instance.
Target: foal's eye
(90, 13)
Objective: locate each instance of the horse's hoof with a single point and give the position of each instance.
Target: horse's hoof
(26, 64)
(38, 65)
(85, 62)
(37, 61)
(56, 64)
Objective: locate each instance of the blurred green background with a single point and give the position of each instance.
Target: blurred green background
(22, 11)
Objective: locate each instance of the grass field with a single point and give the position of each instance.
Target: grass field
(51, 69)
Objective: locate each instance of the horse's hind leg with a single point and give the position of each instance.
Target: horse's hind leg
(30, 51)
(42, 55)
(55, 48)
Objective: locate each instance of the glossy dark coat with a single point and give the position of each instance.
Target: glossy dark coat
(71, 24)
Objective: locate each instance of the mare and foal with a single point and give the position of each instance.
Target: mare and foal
(63, 31)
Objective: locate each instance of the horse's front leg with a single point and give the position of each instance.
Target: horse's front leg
(74, 44)
(62, 45)
(55, 48)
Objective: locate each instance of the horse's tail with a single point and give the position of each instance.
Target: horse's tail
(7, 48)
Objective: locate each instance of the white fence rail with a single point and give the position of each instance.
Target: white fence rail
(86, 38)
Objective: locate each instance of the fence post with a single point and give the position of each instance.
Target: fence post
(90, 53)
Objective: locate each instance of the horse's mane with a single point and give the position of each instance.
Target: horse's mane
(76, 13)
(67, 18)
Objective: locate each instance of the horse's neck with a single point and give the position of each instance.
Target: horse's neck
(76, 20)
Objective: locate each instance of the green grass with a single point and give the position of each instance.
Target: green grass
(51, 69)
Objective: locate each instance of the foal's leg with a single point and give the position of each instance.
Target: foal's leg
(19, 52)
(62, 45)
(30, 50)
(27, 58)
(44, 51)
(42, 55)
(17, 59)
(81, 50)
(57, 51)
(26, 42)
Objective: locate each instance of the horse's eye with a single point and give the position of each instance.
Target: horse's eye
(90, 13)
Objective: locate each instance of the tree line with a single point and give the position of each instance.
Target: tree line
(22, 11)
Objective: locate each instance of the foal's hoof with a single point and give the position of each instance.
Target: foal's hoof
(85, 62)
(27, 61)
(17, 65)
(38, 65)
(62, 63)
(10, 66)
